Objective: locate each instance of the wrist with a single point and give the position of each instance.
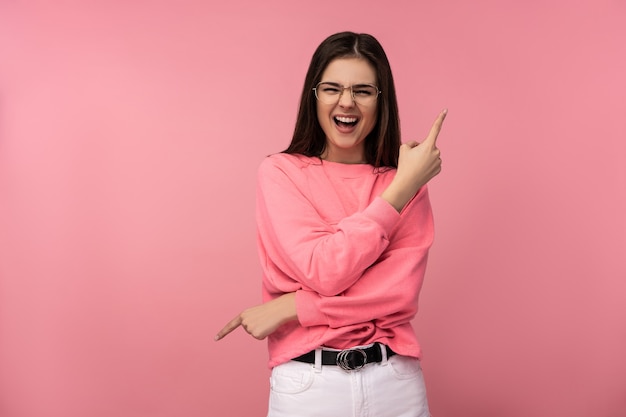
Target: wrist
(398, 194)
(288, 307)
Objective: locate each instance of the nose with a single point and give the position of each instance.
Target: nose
(346, 99)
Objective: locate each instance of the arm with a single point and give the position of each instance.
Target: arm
(325, 258)
(394, 306)
(295, 241)
(388, 292)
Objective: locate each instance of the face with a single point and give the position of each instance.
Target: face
(346, 123)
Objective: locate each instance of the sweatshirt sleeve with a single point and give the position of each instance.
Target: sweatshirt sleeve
(294, 238)
(387, 294)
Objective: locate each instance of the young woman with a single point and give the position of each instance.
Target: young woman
(344, 228)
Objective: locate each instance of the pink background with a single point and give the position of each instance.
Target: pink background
(130, 134)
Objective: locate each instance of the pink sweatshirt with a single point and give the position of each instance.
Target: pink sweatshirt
(356, 264)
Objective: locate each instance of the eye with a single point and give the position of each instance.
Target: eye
(364, 90)
(329, 89)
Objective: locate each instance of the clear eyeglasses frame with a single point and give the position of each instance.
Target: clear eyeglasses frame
(330, 93)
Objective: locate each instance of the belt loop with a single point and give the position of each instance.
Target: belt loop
(318, 360)
(383, 351)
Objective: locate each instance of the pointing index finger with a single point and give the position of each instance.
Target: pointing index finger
(232, 325)
(436, 128)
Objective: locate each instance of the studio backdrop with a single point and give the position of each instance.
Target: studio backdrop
(130, 136)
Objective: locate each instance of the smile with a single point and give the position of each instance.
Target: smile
(345, 120)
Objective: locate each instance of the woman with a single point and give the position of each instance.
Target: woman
(344, 228)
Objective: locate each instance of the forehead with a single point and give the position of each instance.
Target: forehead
(349, 71)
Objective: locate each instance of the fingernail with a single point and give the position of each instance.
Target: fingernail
(216, 338)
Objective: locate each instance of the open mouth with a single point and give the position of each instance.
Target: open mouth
(345, 121)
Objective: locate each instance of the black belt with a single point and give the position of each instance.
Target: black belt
(349, 359)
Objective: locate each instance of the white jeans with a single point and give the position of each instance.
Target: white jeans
(392, 388)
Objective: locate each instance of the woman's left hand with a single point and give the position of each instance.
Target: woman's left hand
(262, 320)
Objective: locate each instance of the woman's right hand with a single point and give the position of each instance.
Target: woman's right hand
(418, 163)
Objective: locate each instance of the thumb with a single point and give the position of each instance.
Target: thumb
(411, 144)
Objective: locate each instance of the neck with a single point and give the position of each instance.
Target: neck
(347, 158)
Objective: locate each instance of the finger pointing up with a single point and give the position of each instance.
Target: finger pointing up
(436, 128)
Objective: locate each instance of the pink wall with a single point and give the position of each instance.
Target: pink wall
(129, 141)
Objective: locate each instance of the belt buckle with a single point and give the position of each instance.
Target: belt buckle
(350, 360)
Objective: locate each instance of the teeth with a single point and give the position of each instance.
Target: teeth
(346, 119)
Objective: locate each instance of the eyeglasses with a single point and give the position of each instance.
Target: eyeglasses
(330, 93)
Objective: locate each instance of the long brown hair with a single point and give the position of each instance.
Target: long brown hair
(383, 143)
